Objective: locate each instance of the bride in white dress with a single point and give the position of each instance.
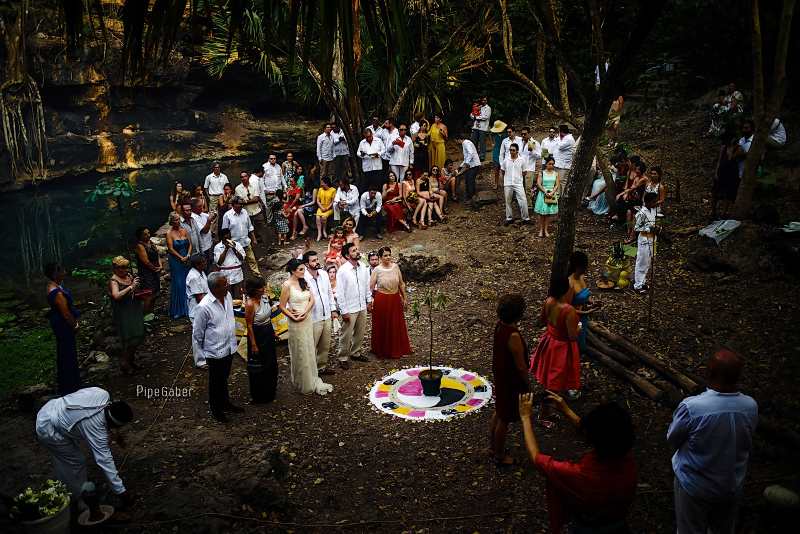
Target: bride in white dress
(296, 303)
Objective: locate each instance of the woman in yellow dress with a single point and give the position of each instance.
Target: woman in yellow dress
(325, 196)
(438, 135)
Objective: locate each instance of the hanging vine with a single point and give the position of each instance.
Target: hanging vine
(21, 110)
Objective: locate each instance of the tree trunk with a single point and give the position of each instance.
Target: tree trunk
(541, 64)
(765, 108)
(611, 187)
(580, 173)
(563, 89)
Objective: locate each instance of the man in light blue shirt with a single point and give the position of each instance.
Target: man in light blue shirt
(712, 434)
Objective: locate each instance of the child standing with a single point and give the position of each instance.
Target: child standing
(279, 218)
(337, 241)
(645, 224)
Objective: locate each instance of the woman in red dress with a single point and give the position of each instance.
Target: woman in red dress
(510, 371)
(556, 361)
(393, 205)
(293, 196)
(389, 332)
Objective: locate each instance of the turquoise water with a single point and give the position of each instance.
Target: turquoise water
(50, 222)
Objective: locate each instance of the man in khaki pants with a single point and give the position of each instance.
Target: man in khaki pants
(322, 312)
(354, 299)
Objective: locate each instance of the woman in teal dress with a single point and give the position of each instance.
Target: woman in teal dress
(180, 248)
(547, 202)
(578, 264)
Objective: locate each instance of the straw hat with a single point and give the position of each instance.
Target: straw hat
(499, 126)
(120, 262)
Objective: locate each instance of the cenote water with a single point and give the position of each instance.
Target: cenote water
(52, 221)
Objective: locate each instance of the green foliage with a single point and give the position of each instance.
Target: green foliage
(27, 356)
(47, 501)
(121, 200)
(118, 188)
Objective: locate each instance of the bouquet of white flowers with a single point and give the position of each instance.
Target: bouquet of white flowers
(47, 501)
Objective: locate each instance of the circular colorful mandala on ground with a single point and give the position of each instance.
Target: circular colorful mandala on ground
(400, 394)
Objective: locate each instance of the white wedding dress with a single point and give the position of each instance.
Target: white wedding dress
(302, 351)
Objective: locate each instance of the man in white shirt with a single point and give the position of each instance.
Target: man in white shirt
(196, 289)
(323, 311)
(371, 205)
(203, 222)
(419, 120)
(189, 224)
(401, 152)
(250, 193)
(564, 150)
(777, 134)
(469, 167)
(480, 127)
(512, 170)
(346, 201)
(242, 231)
(354, 299)
(549, 143)
(369, 150)
(213, 186)
(531, 150)
(273, 175)
(214, 340)
(85, 415)
(229, 258)
(375, 126)
(325, 155)
(748, 129)
(387, 134)
(341, 152)
(511, 137)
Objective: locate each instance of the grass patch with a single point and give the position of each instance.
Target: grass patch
(27, 356)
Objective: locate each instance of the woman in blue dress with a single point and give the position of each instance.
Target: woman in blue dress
(180, 248)
(581, 295)
(63, 317)
(597, 199)
(547, 202)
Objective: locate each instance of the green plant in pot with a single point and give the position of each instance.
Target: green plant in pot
(48, 504)
(430, 378)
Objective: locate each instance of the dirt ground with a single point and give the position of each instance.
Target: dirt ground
(313, 464)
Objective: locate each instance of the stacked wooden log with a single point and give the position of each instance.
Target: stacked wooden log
(619, 354)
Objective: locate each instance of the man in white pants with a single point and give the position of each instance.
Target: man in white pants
(354, 299)
(512, 170)
(214, 184)
(562, 154)
(85, 415)
(322, 313)
(645, 224)
(401, 153)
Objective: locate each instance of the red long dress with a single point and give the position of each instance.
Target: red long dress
(389, 332)
(556, 360)
(394, 211)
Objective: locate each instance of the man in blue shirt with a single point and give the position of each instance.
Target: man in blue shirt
(712, 434)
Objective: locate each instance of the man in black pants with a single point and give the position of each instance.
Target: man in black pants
(371, 205)
(214, 337)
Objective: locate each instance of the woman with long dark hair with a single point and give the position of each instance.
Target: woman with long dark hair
(296, 303)
(581, 295)
(63, 317)
(262, 362)
(149, 264)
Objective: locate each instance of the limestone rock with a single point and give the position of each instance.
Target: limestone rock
(424, 268)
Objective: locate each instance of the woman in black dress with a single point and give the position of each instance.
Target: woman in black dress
(64, 319)
(421, 142)
(149, 264)
(726, 178)
(262, 362)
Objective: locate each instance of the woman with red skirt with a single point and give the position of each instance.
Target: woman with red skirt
(389, 332)
(555, 363)
(393, 205)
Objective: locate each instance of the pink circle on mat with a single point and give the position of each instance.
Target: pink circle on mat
(468, 377)
(416, 413)
(413, 372)
(411, 388)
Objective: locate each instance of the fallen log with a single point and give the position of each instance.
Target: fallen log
(676, 377)
(621, 357)
(642, 385)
